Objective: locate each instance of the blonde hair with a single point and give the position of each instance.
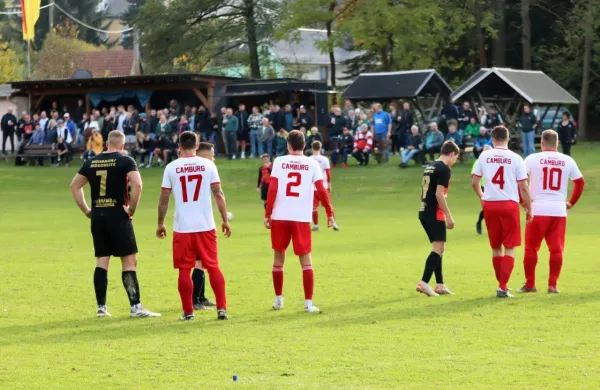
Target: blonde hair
(116, 138)
(550, 138)
(312, 129)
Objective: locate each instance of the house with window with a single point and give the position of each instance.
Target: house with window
(114, 10)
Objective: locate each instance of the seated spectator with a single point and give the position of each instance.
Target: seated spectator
(482, 140)
(266, 133)
(472, 130)
(161, 151)
(129, 128)
(314, 135)
(414, 148)
(453, 134)
(63, 150)
(146, 149)
(433, 141)
(363, 145)
(51, 132)
(163, 127)
(37, 138)
(144, 125)
(345, 146)
(281, 143)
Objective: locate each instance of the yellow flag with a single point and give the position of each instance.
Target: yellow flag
(31, 13)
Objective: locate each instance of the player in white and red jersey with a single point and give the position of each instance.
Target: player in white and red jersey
(505, 184)
(549, 174)
(288, 213)
(191, 179)
(325, 166)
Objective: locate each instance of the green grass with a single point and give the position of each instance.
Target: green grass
(375, 330)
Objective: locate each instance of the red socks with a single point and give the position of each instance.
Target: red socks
(308, 280)
(217, 283)
(497, 262)
(529, 264)
(508, 263)
(278, 280)
(315, 216)
(556, 261)
(186, 290)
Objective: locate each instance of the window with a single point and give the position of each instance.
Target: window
(324, 73)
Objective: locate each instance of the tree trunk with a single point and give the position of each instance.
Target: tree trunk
(252, 40)
(385, 61)
(499, 47)
(526, 33)
(329, 27)
(391, 50)
(479, 34)
(585, 83)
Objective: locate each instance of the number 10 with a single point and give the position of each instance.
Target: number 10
(552, 178)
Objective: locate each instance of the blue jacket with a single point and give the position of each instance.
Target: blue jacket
(434, 139)
(37, 138)
(480, 142)
(381, 121)
(456, 137)
(72, 128)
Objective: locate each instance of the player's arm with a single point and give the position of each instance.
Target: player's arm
(578, 185)
(221, 206)
(440, 195)
(476, 183)
(135, 181)
(163, 207)
(77, 190)
(328, 177)
(525, 197)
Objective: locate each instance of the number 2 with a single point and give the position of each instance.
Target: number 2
(103, 175)
(549, 179)
(190, 178)
(499, 178)
(297, 179)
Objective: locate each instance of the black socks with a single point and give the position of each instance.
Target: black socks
(433, 264)
(199, 283)
(480, 217)
(100, 285)
(132, 287)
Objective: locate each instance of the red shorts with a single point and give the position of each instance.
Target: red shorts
(552, 229)
(503, 223)
(189, 247)
(298, 232)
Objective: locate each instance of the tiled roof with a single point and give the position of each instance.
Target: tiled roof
(106, 62)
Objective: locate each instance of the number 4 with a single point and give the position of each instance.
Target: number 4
(499, 178)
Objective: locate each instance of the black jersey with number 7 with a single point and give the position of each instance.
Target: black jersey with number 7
(435, 174)
(107, 175)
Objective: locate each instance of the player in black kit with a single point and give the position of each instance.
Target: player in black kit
(435, 216)
(110, 175)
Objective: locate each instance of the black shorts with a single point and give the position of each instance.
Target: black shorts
(436, 230)
(264, 191)
(113, 235)
(243, 135)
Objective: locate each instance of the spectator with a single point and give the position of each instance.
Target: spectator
(108, 126)
(472, 129)
(51, 132)
(56, 108)
(204, 124)
(100, 119)
(43, 121)
(63, 150)
(315, 135)
(192, 119)
(405, 124)
(183, 125)
(289, 118)
(20, 131)
(163, 148)
(433, 140)
(9, 128)
(173, 118)
(347, 108)
(492, 118)
(305, 119)
(254, 123)
(37, 137)
(120, 117)
(79, 111)
(144, 126)
(266, 134)
(352, 120)
(152, 123)
(336, 124)
(465, 113)
(414, 148)
(277, 117)
(174, 108)
(93, 122)
(63, 132)
(482, 140)
(363, 145)
(243, 132)
(567, 133)
(70, 125)
(345, 146)
(146, 150)
(449, 111)
(281, 143)
(230, 131)
(528, 122)
(382, 127)
(214, 133)
(27, 129)
(453, 134)
(129, 128)
(163, 127)
(395, 137)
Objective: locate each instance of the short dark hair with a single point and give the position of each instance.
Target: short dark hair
(567, 113)
(188, 140)
(448, 148)
(205, 147)
(295, 139)
(316, 145)
(500, 133)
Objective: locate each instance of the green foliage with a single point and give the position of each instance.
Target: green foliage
(11, 66)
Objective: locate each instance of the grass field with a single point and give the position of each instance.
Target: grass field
(375, 330)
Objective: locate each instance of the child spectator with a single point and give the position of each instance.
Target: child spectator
(63, 151)
(264, 177)
(345, 146)
(281, 143)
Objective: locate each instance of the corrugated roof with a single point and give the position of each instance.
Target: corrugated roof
(106, 62)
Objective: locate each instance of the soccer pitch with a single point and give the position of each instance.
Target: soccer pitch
(375, 330)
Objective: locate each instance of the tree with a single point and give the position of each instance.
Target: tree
(526, 32)
(499, 46)
(11, 68)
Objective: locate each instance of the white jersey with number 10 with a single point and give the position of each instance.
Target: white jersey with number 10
(295, 178)
(549, 174)
(190, 179)
(501, 170)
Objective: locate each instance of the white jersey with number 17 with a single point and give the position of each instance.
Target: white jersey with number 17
(501, 170)
(549, 174)
(190, 179)
(295, 176)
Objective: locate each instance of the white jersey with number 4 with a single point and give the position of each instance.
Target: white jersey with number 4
(501, 170)
(189, 179)
(325, 165)
(296, 176)
(549, 174)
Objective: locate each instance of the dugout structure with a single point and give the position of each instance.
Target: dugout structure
(508, 89)
(425, 89)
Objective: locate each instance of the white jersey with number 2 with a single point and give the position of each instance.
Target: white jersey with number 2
(296, 176)
(501, 170)
(189, 179)
(549, 174)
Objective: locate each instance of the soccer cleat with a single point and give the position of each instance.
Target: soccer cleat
(312, 309)
(207, 303)
(278, 304)
(425, 288)
(199, 306)
(441, 289)
(102, 312)
(315, 228)
(526, 289)
(221, 315)
(187, 317)
(503, 293)
(142, 312)
(478, 228)
(553, 290)
(336, 227)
